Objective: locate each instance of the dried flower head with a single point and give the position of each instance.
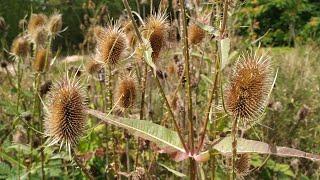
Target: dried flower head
(45, 88)
(248, 90)
(20, 47)
(243, 164)
(65, 113)
(157, 32)
(36, 21)
(55, 24)
(195, 34)
(93, 66)
(39, 36)
(42, 60)
(127, 92)
(111, 45)
(23, 23)
(98, 31)
(3, 25)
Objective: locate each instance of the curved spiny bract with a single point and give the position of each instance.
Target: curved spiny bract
(249, 87)
(111, 45)
(157, 31)
(65, 113)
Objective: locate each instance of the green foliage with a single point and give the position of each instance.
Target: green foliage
(289, 21)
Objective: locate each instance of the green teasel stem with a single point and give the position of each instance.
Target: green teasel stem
(234, 133)
(110, 81)
(187, 71)
(213, 95)
(81, 166)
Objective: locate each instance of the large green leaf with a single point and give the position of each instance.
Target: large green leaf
(224, 146)
(163, 137)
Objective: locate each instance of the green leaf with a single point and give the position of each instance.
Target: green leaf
(177, 173)
(224, 146)
(4, 168)
(224, 50)
(163, 137)
(8, 158)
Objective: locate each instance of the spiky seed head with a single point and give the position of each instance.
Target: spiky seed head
(39, 36)
(39, 63)
(55, 24)
(127, 92)
(45, 88)
(195, 34)
(98, 31)
(243, 164)
(157, 29)
(3, 25)
(36, 21)
(65, 113)
(23, 23)
(4, 64)
(247, 92)
(93, 66)
(111, 45)
(20, 47)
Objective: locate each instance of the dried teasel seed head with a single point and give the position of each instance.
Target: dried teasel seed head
(65, 113)
(195, 34)
(45, 88)
(42, 60)
(243, 164)
(39, 36)
(4, 64)
(23, 23)
(36, 21)
(157, 32)
(20, 47)
(303, 112)
(127, 92)
(93, 66)
(3, 25)
(247, 92)
(98, 31)
(55, 24)
(111, 45)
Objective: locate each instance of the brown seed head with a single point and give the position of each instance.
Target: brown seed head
(39, 63)
(157, 29)
(65, 113)
(195, 34)
(39, 36)
(93, 66)
(20, 47)
(247, 93)
(36, 21)
(243, 164)
(3, 25)
(111, 45)
(127, 92)
(55, 24)
(45, 88)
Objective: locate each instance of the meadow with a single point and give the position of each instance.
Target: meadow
(160, 90)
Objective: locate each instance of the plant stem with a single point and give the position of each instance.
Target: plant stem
(82, 167)
(110, 87)
(189, 93)
(214, 93)
(234, 133)
(144, 82)
(187, 71)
